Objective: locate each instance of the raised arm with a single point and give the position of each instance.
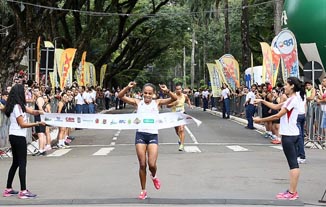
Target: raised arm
(166, 101)
(269, 104)
(125, 90)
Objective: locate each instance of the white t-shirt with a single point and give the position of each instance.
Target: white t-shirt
(14, 128)
(288, 122)
(302, 104)
(79, 99)
(151, 108)
(225, 93)
(86, 96)
(250, 96)
(205, 94)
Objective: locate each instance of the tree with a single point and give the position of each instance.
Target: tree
(77, 25)
(245, 35)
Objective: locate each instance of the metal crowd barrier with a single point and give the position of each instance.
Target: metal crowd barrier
(315, 134)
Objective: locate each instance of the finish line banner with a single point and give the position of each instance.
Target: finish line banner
(119, 121)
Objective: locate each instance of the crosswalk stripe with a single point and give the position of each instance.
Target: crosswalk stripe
(237, 148)
(279, 147)
(191, 149)
(104, 151)
(59, 153)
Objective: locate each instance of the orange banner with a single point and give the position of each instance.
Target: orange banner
(267, 63)
(38, 60)
(67, 58)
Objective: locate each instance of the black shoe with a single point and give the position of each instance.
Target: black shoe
(253, 128)
(36, 154)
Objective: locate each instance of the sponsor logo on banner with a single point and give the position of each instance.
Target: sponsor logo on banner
(285, 42)
(70, 119)
(287, 46)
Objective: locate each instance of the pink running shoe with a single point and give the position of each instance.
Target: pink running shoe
(143, 195)
(157, 183)
(26, 194)
(287, 196)
(9, 192)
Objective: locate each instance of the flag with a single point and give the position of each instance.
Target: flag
(215, 79)
(87, 74)
(102, 74)
(231, 70)
(57, 71)
(287, 46)
(276, 58)
(66, 60)
(267, 63)
(38, 60)
(92, 74)
(80, 72)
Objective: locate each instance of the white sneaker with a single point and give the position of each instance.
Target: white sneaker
(47, 147)
(301, 161)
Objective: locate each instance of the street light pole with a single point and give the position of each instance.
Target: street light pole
(184, 68)
(192, 69)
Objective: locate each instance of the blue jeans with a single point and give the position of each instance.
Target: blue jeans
(250, 112)
(79, 108)
(205, 103)
(85, 109)
(91, 108)
(300, 144)
(226, 108)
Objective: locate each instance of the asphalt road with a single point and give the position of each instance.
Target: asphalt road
(223, 165)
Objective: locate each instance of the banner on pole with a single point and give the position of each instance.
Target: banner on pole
(267, 63)
(215, 79)
(287, 46)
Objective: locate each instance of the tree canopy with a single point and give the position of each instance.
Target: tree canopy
(138, 39)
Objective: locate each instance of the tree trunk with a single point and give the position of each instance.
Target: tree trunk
(227, 28)
(278, 7)
(245, 35)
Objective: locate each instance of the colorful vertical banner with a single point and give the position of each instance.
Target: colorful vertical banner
(219, 68)
(67, 58)
(287, 46)
(231, 70)
(87, 74)
(92, 74)
(51, 79)
(80, 72)
(38, 60)
(267, 63)
(57, 71)
(215, 79)
(102, 74)
(276, 58)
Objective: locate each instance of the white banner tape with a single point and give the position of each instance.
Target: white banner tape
(119, 121)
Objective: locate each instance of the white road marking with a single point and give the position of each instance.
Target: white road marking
(191, 135)
(114, 138)
(237, 148)
(112, 143)
(59, 153)
(191, 149)
(279, 147)
(104, 151)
